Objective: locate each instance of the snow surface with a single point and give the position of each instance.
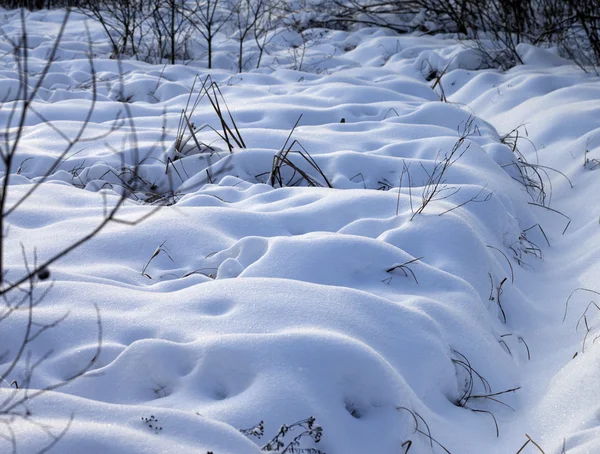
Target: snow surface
(277, 304)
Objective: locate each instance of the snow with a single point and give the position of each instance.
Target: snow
(243, 303)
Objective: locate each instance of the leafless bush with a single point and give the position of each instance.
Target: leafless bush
(255, 20)
(150, 30)
(39, 4)
(494, 27)
(23, 288)
(209, 17)
(171, 29)
(122, 20)
(579, 37)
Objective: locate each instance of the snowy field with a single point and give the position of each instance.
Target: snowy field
(405, 288)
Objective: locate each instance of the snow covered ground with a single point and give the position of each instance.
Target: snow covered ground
(398, 325)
